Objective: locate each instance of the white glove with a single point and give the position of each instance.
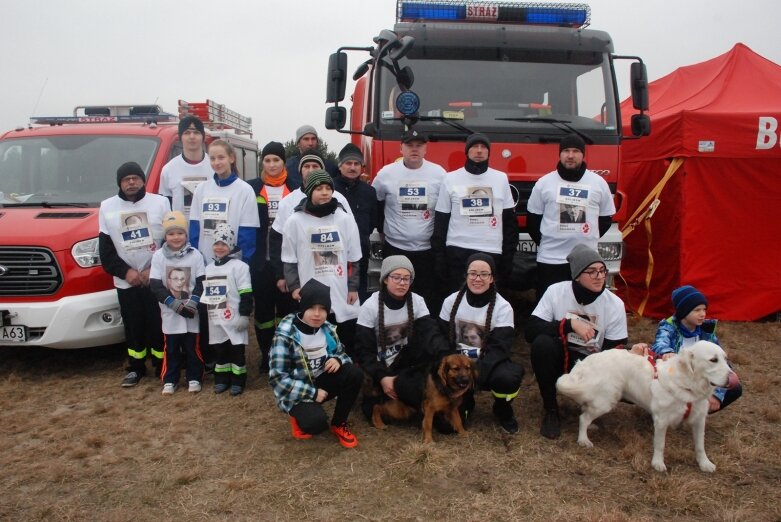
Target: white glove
(242, 323)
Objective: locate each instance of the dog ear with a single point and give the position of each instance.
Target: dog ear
(442, 372)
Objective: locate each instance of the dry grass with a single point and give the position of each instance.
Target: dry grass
(75, 446)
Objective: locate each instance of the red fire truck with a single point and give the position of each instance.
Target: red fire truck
(53, 176)
(524, 74)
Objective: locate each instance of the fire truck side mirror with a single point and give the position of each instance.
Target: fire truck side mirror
(335, 118)
(337, 78)
(641, 125)
(639, 82)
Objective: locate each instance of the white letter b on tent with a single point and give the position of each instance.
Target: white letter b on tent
(766, 136)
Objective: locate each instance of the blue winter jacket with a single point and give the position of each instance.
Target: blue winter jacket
(669, 339)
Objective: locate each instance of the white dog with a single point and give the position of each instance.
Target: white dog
(672, 391)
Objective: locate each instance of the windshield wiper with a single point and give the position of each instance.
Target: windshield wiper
(45, 204)
(448, 121)
(559, 124)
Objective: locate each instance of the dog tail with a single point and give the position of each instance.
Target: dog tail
(569, 386)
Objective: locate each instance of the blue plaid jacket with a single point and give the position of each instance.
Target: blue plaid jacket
(289, 373)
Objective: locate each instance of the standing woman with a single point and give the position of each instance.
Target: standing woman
(478, 313)
(396, 338)
(271, 304)
(225, 198)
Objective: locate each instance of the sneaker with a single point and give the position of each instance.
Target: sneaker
(194, 387)
(169, 388)
(551, 425)
(345, 436)
(220, 388)
(130, 380)
(237, 390)
(298, 433)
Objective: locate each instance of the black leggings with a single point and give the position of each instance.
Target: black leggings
(344, 384)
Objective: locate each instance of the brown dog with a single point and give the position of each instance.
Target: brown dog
(444, 393)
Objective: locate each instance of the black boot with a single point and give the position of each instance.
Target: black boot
(551, 424)
(503, 411)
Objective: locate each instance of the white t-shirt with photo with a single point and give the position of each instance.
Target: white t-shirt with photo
(222, 291)
(322, 248)
(136, 229)
(179, 179)
(395, 324)
(234, 204)
(606, 315)
(475, 203)
(570, 213)
(410, 197)
(190, 266)
(470, 322)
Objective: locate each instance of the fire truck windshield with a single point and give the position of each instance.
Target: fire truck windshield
(63, 170)
(524, 94)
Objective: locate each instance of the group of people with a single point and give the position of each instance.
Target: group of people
(297, 239)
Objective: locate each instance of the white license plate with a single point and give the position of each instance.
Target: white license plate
(13, 333)
(527, 245)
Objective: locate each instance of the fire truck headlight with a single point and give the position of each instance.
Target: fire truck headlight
(85, 253)
(611, 251)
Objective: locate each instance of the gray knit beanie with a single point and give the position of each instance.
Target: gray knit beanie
(391, 263)
(303, 130)
(580, 258)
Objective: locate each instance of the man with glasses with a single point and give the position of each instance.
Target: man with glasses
(573, 320)
(567, 207)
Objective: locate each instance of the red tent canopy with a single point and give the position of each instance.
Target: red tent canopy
(718, 223)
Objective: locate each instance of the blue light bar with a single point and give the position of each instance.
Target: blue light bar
(139, 118)
(521, 13)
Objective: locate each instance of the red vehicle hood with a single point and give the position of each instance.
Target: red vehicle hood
(53, 228)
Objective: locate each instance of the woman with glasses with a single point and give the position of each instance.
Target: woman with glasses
(479, 323)
(572, 320)
(396, 339)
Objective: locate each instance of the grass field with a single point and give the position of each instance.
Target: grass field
(75, 446)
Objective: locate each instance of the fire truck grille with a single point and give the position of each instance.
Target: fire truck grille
(26, 271)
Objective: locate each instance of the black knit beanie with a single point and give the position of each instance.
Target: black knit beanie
(131, 168)
(572, 141)
(313, 293)
(275, 148)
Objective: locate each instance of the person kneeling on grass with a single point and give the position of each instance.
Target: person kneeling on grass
(308, 366)
(687, 326)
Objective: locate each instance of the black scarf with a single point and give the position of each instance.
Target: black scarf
(478, 300)
(391, 302)
(571, 174)
(583, 295)
(321, 210)
(475, 167)
(139, 195)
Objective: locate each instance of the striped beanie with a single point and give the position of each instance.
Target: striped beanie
(315, 179)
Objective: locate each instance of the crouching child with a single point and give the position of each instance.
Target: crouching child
(176, 279)
(227, 294)
(308, 366)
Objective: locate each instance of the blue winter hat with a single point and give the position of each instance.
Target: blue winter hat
(686, 299)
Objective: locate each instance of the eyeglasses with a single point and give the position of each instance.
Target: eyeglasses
(596, 273)
(479, 275)
(400, 280)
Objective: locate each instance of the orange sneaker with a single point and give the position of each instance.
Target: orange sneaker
(298, 433)
(345, 436)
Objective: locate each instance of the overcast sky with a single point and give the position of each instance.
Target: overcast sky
(267, 59)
